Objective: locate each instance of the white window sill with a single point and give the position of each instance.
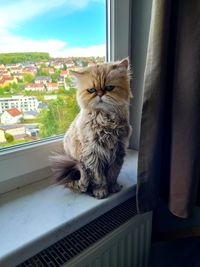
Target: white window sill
(37, 215)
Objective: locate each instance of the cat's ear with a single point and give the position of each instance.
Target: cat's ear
(124, 63)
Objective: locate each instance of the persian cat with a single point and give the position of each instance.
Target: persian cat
(95, 143)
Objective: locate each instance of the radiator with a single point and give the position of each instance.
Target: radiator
(119, 238)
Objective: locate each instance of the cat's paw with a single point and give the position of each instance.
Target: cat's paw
(100, 192)
(114, 188)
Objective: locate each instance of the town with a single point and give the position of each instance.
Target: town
(37, 98)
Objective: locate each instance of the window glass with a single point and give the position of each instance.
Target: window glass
(40, 42)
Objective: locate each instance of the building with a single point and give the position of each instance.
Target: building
(61, 80)
(23, 103)
(15, 70)
(43, 79)
(58, 65)
(64, 73)
(35, 87)
(17, 131)
(69, 63)
(18, 76)
(52, 86)
(11, 116)
(49, 70)
(50, 97)
(32, 130)
(29, 71)
(6, 80)
(30, 115)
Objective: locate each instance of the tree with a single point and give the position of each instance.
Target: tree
(9, 137)
(59, 115)
(55, 76)
(28, 78)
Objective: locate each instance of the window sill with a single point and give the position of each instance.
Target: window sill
(38, 215)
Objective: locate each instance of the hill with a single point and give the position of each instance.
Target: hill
(11, 58)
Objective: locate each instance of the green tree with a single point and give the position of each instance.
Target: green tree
(59, 115)
(55, 76)
(10, 58)
(9, 137)
(28, 78)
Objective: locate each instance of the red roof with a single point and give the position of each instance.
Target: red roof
(63, 72)
(53, 84)
(34, 85)
(14, 112)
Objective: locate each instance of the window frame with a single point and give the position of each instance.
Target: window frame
(28, 163)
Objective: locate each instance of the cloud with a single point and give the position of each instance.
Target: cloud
(56, 48)
(94, 50)
(22, 10)
(13, 12)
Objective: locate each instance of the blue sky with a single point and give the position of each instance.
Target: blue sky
(60, 27)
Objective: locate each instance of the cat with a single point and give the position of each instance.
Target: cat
(95, 143)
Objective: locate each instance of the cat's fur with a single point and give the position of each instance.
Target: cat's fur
(96, 141)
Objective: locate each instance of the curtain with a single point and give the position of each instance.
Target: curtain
(169, 150)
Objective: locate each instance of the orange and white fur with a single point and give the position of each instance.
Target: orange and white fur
(96, 142)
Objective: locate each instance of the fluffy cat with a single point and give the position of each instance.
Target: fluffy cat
(95, 144)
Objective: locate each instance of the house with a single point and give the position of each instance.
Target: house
(31, 130)
(69, 63)
(61, 80)
(11, 116)
(52, 86)
(29, 115)
(6, 80)
(16, 65)
(4, 73)
(43, 79)
(42, 106)
(18, 76)
(15, 70)
(64, 73)
(58, 65)
(31, 71)
(50, 97)
(17, 131)
(35, 87)
(49, 70)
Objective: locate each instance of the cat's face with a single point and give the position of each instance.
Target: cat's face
(103, 87)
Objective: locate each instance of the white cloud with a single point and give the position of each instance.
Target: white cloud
(56, 48)
(95, 50)
(15, 11)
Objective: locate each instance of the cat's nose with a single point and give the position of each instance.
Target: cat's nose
(100, 93)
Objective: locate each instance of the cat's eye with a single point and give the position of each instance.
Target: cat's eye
(91, 90)
(109, 88)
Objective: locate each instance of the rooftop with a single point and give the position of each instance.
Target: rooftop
(13, 112)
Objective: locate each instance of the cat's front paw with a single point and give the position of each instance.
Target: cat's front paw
(100, 192)
(114, 188)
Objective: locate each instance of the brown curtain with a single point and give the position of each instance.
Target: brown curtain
(169, 152)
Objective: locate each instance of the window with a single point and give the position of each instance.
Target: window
(22, 164)
(42, 43)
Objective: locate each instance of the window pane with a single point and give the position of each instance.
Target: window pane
(40, 42)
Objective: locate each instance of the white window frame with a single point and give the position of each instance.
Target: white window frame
(28, 163)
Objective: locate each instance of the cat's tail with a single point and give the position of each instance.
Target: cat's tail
(68, 172)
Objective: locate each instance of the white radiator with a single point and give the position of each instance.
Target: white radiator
(119, 238)
(127, 246)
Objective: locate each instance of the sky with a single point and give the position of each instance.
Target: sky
(62, 28)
